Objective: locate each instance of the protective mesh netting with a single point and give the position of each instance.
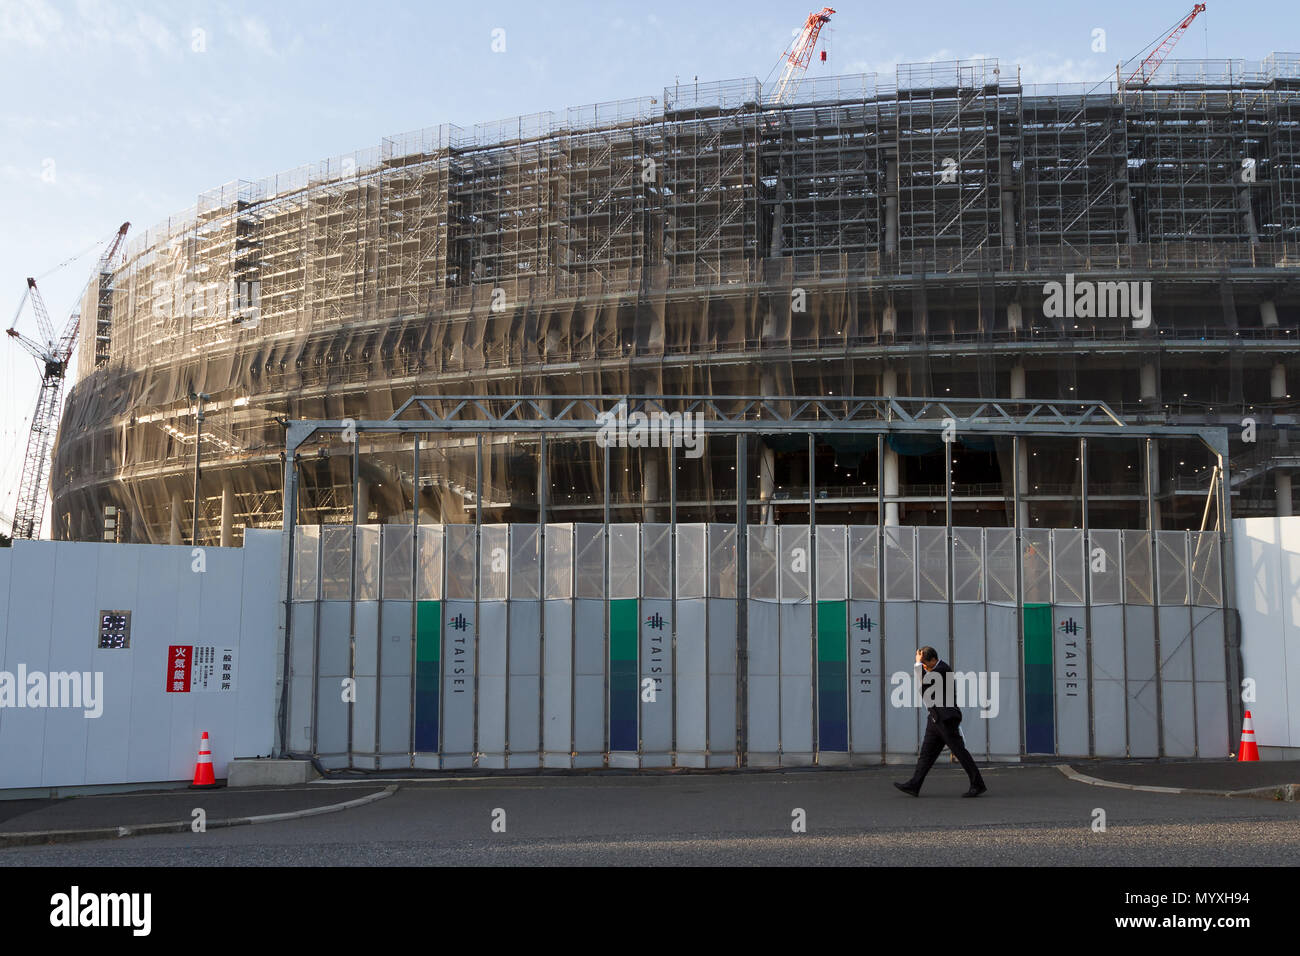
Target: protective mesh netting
(699, 243)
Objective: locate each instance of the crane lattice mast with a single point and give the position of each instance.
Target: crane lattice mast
(52, 356)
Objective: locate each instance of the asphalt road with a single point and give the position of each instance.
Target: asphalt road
(1030, 816)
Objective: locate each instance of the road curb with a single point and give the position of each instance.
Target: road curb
(1286, 792)
(45, 837)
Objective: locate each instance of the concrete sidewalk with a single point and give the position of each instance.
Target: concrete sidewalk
(26, 822)
(1219, 776)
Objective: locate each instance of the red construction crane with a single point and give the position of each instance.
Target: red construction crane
(52, 357)
(1148, 67)
(797, 57)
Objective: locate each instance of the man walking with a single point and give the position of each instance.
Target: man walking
(943, 727)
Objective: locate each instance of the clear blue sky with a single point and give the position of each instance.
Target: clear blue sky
(133, 121)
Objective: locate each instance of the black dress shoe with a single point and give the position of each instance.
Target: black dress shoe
(910, 791)
(975, 791)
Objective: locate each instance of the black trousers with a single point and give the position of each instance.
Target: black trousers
(940, 734)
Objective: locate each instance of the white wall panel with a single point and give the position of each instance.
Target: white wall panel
(144, 733)
(71, 649)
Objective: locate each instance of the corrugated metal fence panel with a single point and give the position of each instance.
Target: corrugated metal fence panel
(589, 660)
(796, 645)
(1070, 649)
(1208, 661)
(558, 663)
(396, 646)
(524, 651)
(493, 644)
(1106, 660)
(460, 647)
(430, 655)
(451, 667)
(1140, 647)
(1177, 683)
(868, 690)
(764, 633)
(656, 628)
(832, 639)
(624, 627)
(900, 638)
(302, 661)
(723, 722)
(690, 697)
(364, 712)
(968, 640)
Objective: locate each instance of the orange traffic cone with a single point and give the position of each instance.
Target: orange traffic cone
(203, 776)
(1248, 750)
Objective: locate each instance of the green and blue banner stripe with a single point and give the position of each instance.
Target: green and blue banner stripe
(833, 676)
(1040, 730)
(428, 670)
(624, 631)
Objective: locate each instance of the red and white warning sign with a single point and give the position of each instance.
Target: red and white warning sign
(200, 668)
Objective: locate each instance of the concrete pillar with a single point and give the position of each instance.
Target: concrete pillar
(1018, 380)
(891, 485)
(766, 483)
(1277, 389)
(891, 206)
(889, 383)
(650, 490)
(889, 321)
(889, 388)
(1130, 221)
(1008, 205)
(1015, 317)
(777, 248)
(1282, 491)
(1247, 214)
(1268, 314)
(227, 513)
(178, 506)
(1148, 389)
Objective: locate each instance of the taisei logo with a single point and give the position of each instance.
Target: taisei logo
(1086, 299)
(618, 429)
(56, 689)
(102, 909)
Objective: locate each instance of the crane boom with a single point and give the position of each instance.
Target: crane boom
(1147, 69)
(797, 57)
(52, 357)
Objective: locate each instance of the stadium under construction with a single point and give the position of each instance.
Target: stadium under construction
(939, 233)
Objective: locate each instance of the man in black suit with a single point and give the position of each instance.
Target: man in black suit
(943, 727)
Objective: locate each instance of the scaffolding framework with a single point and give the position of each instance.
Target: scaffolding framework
(657, 245)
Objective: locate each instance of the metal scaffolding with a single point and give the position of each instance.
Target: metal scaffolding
(660, 245)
